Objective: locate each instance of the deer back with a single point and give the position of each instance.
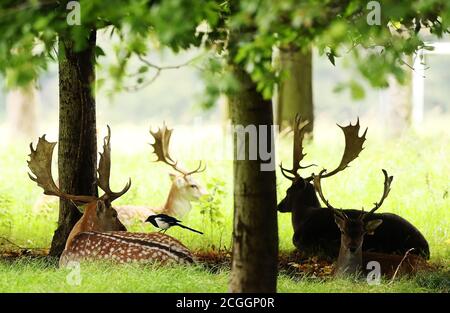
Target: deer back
(126, 247)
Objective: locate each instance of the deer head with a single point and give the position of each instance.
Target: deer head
(98, 213)
(301, 193)
(353, 230)
(183, 183)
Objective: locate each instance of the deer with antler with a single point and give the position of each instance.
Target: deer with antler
(99, 234)
(354, 230)
(315, 231)
(183, 191)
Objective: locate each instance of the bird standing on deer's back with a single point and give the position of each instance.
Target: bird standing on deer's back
(99, 234)
(164, 222)
(315, 231)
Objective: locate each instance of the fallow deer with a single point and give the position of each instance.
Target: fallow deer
(183, 191)
(315, 231)
(351, 259)
(99, 234)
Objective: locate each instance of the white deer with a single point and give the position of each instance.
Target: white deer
(183, 191)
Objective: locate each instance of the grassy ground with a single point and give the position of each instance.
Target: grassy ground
(27, 275)
(420, 193)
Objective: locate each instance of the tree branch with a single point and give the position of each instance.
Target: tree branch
(158, 69)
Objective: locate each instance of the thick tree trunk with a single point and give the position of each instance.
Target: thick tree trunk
(77, 150)
(295, 93)
(255, 232)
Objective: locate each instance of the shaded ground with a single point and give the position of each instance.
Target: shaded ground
(292, 264)
(31, 270)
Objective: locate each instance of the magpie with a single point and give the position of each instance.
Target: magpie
(164, 222)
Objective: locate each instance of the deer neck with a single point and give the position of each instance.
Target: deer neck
(349, 262)
(88, 222)
(308, 201)
(176, 204)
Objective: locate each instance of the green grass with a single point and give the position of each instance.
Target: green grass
(37, 276)
(419, 193)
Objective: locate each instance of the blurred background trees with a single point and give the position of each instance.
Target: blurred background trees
(121, 39)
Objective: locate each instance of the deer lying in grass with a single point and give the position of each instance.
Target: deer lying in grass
(99, 234)
(183, 191)
(353, 233)
(315, 231)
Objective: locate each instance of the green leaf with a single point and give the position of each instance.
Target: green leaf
(331, 57)
(357, 91)
(143, 69)
(99, 51)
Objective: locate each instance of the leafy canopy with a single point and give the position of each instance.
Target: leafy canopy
(336, 27)
(30, 29)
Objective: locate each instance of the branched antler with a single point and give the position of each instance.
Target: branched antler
(353, 147)
(40, 164)
(161, 149)
(387, 188)
(318, 187)
(104, 171)
(299, 129)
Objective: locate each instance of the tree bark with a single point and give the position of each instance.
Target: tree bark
(77, 149)
(295, 93)
(255, 229)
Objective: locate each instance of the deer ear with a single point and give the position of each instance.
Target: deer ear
(172, 176)
(101, 207)
(372, 225)
(339, 222)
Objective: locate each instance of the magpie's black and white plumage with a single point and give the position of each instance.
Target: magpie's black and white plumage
(164, 222)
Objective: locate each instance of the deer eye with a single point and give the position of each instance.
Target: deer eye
(114, 214)
(194, 186)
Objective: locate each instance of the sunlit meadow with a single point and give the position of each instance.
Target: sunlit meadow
(417, 160)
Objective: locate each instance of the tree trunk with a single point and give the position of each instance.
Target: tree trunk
(21, 111)
(255, 230)
(396, 105)
(295, 90)
(77, 150)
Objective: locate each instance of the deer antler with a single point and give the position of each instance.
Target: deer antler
(104, 171)
(318, 187)
(40, 164)
(161, 149)
(387, 188)
(299, 129)
(353, 147)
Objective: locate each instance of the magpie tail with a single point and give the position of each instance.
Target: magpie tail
(191, 229)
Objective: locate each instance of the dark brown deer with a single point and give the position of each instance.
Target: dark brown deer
(183, 191)
(353, 233)
(315, 232)
(99, 234)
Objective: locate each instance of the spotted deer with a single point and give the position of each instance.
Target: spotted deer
(99, 234)
(351, 259)
(183, 191)
(315, 231)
